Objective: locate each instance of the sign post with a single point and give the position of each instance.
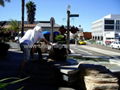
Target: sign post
(68, 29)
(52, 22)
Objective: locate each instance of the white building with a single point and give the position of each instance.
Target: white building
(106, 29)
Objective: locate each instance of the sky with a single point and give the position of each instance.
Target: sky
(88, 10)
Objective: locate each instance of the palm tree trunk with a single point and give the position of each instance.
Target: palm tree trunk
(22, 30)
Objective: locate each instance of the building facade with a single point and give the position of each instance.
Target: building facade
(45, 25)
(106, 29)
(87, 35)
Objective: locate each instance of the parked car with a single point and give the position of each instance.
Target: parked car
(81, 42)
(115, 45)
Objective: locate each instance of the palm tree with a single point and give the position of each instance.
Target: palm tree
(31, 8)
(2, 2)
(14, 25)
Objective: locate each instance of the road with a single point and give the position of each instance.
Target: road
(95, 50)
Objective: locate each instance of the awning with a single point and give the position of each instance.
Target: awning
(48, 32)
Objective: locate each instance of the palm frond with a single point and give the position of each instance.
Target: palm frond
(1, 2)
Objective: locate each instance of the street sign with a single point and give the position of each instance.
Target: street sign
(74, 15)
(52, 22)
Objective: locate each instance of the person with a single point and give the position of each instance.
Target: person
(29, 39)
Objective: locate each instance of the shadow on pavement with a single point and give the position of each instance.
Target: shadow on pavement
(9, 66)
(43, 75)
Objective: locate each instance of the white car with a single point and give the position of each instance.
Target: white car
(115, 45)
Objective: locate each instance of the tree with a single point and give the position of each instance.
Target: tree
(62, 30)
(2, 23)
(74, 29)
(31, 8)
(2, 2)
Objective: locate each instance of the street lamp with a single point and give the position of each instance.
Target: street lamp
(68, 24)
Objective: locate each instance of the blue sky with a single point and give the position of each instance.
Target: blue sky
(88, 10)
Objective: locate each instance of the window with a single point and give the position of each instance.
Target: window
(117, 27)
(116, 35)
(109, 38)
(117, 21)
(109, 27)
(109, 21)
(101, 37)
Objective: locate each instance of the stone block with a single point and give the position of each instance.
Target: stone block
(101, 83)
(97, 77)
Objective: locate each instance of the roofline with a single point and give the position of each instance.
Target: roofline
(44, 21)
